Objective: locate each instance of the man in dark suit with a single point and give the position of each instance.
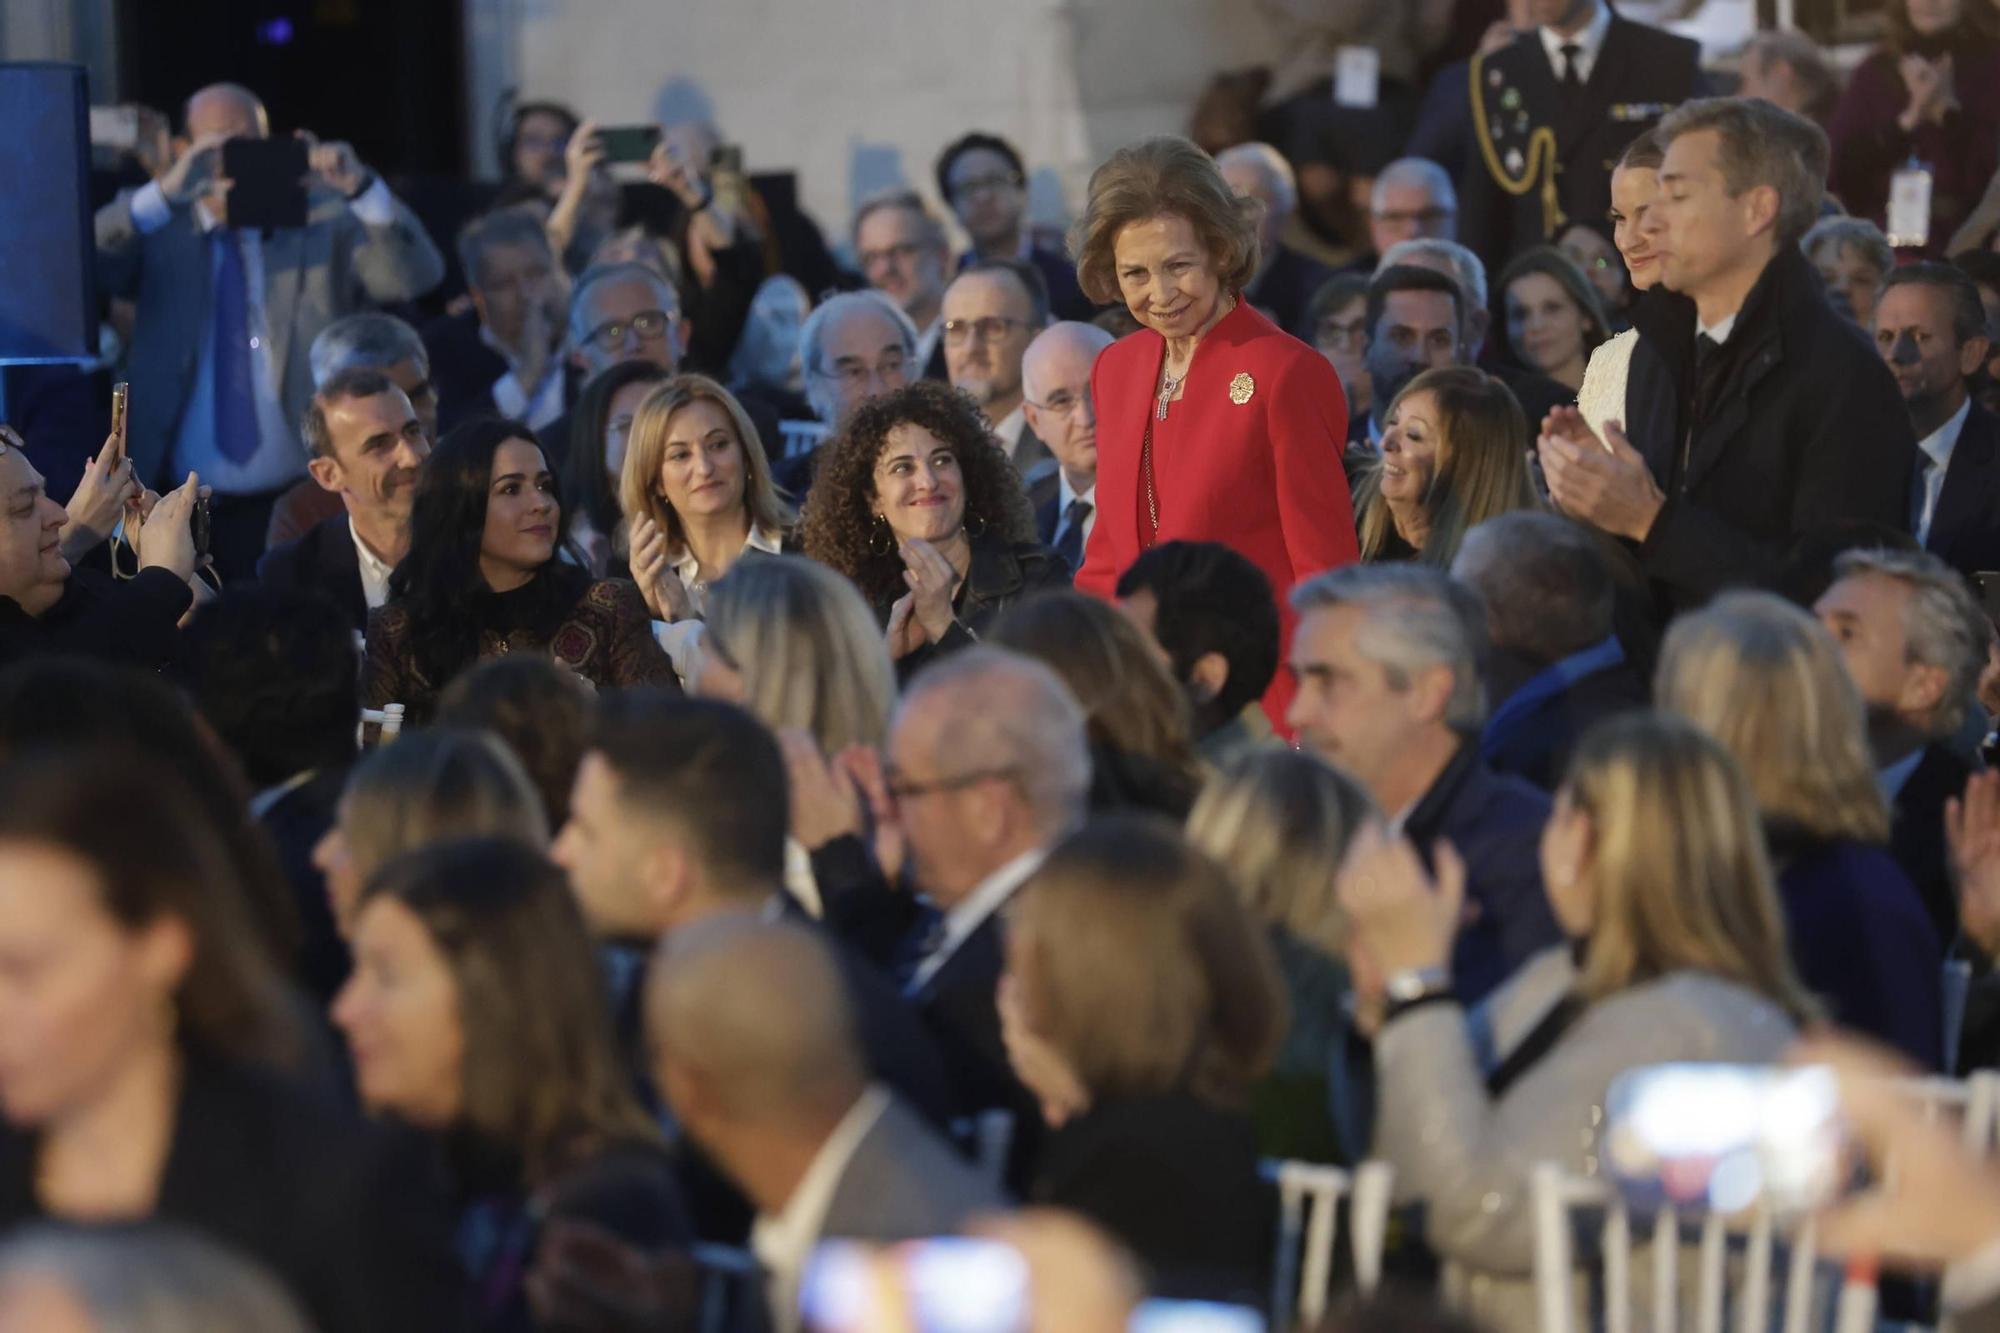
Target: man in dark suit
(1556, 668)
(992, 311)
(1286, 279)
(985, 182)
(218, 361)
(1915, 642)
(903, 253)
(1931, 329)
(1386, 659)
(1755, 416)
(1553, 110)
(1055, 379)
(504, 356)
(366, 446)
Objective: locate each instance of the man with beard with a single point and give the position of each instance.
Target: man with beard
(992, 311)
(902, 252)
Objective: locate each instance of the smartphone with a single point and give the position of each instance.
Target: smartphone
(1715, 1138)
(951, 1284)
(267, 182)
(121, 394)
(199, 521)
(727, 157)
(628, 143)
(114, 127)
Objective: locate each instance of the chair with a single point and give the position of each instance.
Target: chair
(1309, 1196)
(388, 719)
(1973, 1100)
(801, 436)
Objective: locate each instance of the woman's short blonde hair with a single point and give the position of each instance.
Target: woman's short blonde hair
(1280, 821)
(1165, 176)
(1678, 863)
(809, 650)
(646, 447)
(1139, 964)
(432, 786)
(1767, 680)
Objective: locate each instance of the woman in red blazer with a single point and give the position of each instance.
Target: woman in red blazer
(1212, 424)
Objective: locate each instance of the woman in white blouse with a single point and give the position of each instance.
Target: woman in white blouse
(697, 493)
(1635, 187)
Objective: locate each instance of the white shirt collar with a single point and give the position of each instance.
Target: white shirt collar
(688, 567)
(1009, 427)
(1937, 445)
(1591, 40)
(261, 803)
(1890, 780)
(375, 571)
(1720, 330)
(1067, 494)
(783, 1243)
(971, 912)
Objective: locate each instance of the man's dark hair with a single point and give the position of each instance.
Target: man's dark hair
(959, 147)
(354, 382)
(1411, 278)
(1211, 600)
(273, 672)
(1545, 582)
(711, 768)
(1968, 313)
(540, 711)
(1335, 292)
(1030, 278)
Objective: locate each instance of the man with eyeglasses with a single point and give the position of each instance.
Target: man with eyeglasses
(617, 313)
(1412, 199)
(902, 251)
(853, 346)
(1414, 324)
(992, 311)
(984, 180)
(1055, 374)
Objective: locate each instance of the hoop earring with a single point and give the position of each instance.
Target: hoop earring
(881, 541)
(971, 531)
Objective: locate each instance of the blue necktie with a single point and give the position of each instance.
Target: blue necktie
(235, 394)
(1069, 543)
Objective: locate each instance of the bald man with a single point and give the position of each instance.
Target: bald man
(219, 361)
(1055, 378)
(754, 1047)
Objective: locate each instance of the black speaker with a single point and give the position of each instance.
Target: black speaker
(48, 302)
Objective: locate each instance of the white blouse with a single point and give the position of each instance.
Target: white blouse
(1602, 397)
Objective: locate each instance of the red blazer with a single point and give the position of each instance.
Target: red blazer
(1262, 476)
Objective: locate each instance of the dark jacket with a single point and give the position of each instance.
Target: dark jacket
(1175, 1181)
(1861, 942)
(1000, 574)
(1640, 74)
(1539, 716)
(354, 1223)
(296, 822)
(464, 368)
(1285, 288)
(1804, 431)
(1965, 528)
(1916, 833)
(134, 622)
(1495, 823)
(323, 561)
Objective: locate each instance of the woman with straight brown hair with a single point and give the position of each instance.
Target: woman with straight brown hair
(1454, 454)
(1140, 1005)
(477, 1013)
(1767, 681)
(1654, 864)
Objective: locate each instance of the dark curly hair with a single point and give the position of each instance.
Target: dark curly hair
(840, 531)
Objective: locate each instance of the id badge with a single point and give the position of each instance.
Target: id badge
(1357, 76)
(1910, 207)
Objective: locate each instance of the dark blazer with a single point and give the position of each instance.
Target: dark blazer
(1046, 496)
(905, 1183)
(1640, 74)
(1285, 288)
(1916, 834)
(1965, 529)
(323, 561)
(1175, 1181)
(1806, 432)
(463, 368)
(1537, 744)
(134, 622)
(296, 823)
(1001, 573)
(1862, 942)
(1495, 823)
(353, 1222)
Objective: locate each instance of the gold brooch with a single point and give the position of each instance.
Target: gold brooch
(1241, 388)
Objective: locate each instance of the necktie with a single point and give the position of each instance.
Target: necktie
(1069, 542)
(1572, 77)
(235, 396)
(1707, 374)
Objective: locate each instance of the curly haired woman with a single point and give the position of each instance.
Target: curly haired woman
(916, 502)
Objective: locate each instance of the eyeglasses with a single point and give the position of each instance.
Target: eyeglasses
(902, 253)
(610, 336)
(965, 189)
(1422, 217)
(1342, 334)
(992, 328)
(1065, 404)
(854, 374)
(904, 791)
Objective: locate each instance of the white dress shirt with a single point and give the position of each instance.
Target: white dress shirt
(682, 638)
(972, 911)
(1590, 41)
(1936, 448)
(375, 571)
(1719, 331)
(1065, 496)
(1009, 429)
(927, 345)
(784, 1243)
(280, 458)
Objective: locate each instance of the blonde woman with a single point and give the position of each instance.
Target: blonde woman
(792, 641)
(697, 493)
(1635, 188)
(1654, 863)
(1454, 453)
(1280, 821)
(1767, 681)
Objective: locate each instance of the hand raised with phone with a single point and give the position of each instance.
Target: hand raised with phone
(198, 172)
(166, 539)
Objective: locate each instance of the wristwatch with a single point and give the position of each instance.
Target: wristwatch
(1414, 988)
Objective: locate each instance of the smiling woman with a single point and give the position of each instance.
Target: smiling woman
(483, 577)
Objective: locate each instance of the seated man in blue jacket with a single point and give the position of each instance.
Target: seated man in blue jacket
(1386, 660)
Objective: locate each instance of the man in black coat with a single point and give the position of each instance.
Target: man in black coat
(1286, 279)
(1551, 114)
(367, 446)
(1755, 416)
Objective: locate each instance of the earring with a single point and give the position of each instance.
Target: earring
(881, 541)
(971, 531)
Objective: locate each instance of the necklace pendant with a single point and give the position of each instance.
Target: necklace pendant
(1160, 413)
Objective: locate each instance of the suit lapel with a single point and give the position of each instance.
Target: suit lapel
(1608, 74)
(284, 278)
(1969, 480)
(340, 565)
(1712, 438)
